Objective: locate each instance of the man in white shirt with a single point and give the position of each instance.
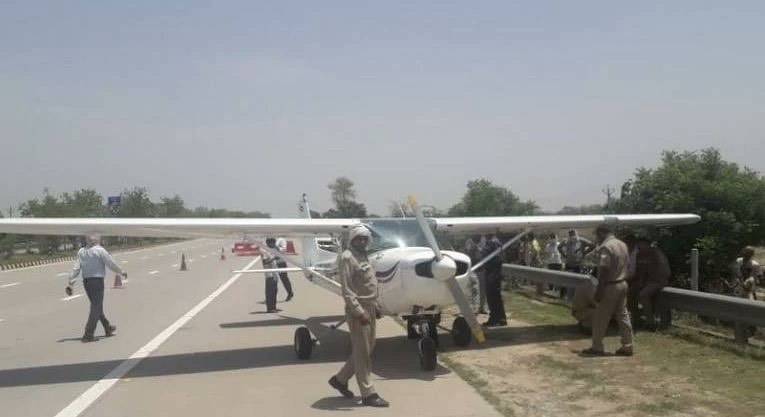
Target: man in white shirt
(92, 261)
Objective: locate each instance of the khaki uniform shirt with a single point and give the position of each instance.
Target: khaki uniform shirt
(613, 259)
(358, 281)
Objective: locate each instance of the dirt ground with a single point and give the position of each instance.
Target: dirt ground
(532, 368)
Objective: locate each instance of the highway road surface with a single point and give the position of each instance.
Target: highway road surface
(196, 343)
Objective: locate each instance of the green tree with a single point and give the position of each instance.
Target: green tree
(47, 206)
(483, 198)
(729, 199)
(344, 197)
(6, 243)
(136, 203)
(83, 203)
(172, 207)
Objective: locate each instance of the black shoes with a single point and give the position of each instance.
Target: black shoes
(289, 297)
(490, 323)
(88, 339)
(593, 352)
(374, 400)
(342, 388)
(111, 331)
(624, 351)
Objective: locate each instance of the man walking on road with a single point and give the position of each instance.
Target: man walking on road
(611, 294)
(269, 262)
(359, 286)
(281, 245)
(92, 262)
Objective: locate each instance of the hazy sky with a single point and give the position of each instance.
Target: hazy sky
(249, 104)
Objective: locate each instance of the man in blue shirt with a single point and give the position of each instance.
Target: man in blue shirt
(92, 261)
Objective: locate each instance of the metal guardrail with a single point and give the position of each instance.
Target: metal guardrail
(739, 310)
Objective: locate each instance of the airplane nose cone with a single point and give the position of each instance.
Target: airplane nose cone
(445, 269)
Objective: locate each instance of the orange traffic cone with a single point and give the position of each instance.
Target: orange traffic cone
(183, 262)
(118, 281)
(222, 254)
(290, 248)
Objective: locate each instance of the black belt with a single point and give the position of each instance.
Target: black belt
(614, 282)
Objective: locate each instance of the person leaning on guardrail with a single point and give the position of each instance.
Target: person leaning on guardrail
(746, 272)
(91, 263)
(651, 274)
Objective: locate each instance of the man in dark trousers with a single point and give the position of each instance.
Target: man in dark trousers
(493, 272)
(281, 245)
(269, 262)
(92, 261)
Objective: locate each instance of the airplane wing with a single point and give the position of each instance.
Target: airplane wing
(178, 228)
(515, 223)
(195, 228)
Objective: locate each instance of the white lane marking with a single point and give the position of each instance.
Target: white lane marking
(12, 284)
(204, 256)
(153, 272)
(174, 266)
(160, 254)
(71, 297)
(81, 403)
(62, 274)
(124, 262)
(2, 320)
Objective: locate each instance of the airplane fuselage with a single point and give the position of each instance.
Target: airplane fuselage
(406, 282)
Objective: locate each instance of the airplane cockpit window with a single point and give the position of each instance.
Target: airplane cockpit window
(395, 233)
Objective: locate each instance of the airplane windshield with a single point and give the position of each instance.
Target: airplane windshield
(395, 233)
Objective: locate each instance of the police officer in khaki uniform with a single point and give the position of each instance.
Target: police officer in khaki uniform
(611, 293)
(359, 285)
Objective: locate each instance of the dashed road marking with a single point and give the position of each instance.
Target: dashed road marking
(124, 262)
(71, 297)
(174, 266)
(81, 403)
(204, 256)
(12, 284)
(153, 272)
(2, 320)
(62, 274)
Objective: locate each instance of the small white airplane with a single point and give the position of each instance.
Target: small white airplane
(417, 279)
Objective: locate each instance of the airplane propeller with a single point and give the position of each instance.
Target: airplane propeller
(445, 270)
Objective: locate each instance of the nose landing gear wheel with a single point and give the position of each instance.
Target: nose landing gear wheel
(303, 343)
(461, 332)
(428, 354)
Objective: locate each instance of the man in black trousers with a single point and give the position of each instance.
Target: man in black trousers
(493, 272)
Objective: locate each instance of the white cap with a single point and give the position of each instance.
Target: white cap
(359, 231)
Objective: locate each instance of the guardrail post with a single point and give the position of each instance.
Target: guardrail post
(665, 318)
(742, 333)
(695, 269)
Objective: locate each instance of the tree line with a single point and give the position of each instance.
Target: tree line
(729, 198)
(134, 202)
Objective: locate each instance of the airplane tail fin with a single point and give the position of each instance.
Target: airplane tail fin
(309, 244)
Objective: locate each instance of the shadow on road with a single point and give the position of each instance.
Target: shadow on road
(336, 404)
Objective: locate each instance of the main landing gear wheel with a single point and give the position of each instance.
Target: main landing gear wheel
(303, 343)
(461, 333)
(428, 354)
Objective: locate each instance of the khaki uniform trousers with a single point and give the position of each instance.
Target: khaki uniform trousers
(613, 304)
(362, 346)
